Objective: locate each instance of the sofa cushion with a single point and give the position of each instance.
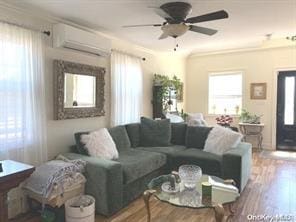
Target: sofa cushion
(222, 139)
(99, 143)
(80, 147)
(155, 132)
(138, 163)
(164, 149)
(196, 136)
(120, 137)
(209, 163)
(133, 131)
(178, 133)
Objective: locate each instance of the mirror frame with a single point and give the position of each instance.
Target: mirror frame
(60, 68)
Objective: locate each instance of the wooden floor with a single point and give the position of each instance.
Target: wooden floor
(271, 191)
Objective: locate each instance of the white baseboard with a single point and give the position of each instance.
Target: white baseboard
(267, 146)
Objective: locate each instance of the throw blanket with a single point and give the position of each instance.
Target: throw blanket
(54, 173)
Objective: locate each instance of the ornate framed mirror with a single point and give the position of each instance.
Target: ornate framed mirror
(78, 90)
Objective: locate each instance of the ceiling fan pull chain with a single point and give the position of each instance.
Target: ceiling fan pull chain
(176, 44)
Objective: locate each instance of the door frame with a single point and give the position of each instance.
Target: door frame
(274, 103)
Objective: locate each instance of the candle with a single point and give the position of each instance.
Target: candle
(206, 193)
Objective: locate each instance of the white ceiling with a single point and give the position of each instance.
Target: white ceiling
(248, 23)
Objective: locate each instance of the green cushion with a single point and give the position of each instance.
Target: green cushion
(73, 149)
(136, 188)
(138, 163)
(104, 181)
(209, 163)
(237, 164)
(178, 133)
(164, 149)
(133, 131)
(196, 136)
(80, 148)
(167, 150)
(120, 138)
(155, 132)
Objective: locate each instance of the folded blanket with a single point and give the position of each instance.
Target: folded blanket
(54, 173)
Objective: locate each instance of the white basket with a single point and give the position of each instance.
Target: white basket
(77, 214)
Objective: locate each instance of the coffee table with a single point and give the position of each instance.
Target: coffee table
(223, 193)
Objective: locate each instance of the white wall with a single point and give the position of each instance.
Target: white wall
(258, 66)
(60, 132)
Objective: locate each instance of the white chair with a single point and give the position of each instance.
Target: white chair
(174, 118)
(196, 119)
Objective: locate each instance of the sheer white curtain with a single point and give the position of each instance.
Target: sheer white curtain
(22, 105)
(126, 89)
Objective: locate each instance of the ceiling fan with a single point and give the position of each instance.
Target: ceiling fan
(176, 22)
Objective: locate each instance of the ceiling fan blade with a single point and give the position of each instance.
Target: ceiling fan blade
(162, 13)
(202, 30)
(208, 17)
(163, 36)
(131, 26)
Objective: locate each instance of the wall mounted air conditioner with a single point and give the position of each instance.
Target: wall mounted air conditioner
(66, 36)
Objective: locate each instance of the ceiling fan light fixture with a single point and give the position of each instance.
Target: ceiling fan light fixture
(175, 30)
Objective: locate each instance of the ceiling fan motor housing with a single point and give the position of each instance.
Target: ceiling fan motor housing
(179, 10)
(175, 30)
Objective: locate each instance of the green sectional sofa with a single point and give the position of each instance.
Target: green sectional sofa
(115, 183)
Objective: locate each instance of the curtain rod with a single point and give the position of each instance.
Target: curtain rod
(126, 53)
(45, 32)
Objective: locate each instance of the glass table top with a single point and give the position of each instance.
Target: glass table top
(221, 193)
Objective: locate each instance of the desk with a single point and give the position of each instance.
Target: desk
(12, 175)
(252, 130)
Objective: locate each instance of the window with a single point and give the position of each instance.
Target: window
(289, 100)
(126, 89)
(225, 93)
(22, 108)
(12, 86)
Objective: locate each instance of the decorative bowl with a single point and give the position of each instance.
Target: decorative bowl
(166, 187)
(190, 175)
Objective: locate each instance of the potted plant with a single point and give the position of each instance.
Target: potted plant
(247, 117)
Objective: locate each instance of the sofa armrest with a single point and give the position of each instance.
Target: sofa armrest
(104, 182)
(237, 164)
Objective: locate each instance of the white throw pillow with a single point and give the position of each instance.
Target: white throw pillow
(174, 118)
(100, 144)
(195, 119)
(195, 122)
(221, 139)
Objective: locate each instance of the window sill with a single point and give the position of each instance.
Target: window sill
(217, 115)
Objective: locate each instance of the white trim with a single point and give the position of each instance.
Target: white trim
(235, 116)
(226, 73)
(274, 103)
(267, 146)
(232, 51)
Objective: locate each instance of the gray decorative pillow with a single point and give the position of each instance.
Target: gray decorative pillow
(133, 131)
(196, 136)
(120, 137)
(178, 133)
(80, 147)
(155, 132)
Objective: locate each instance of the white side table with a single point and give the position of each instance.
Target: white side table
(252, 130)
